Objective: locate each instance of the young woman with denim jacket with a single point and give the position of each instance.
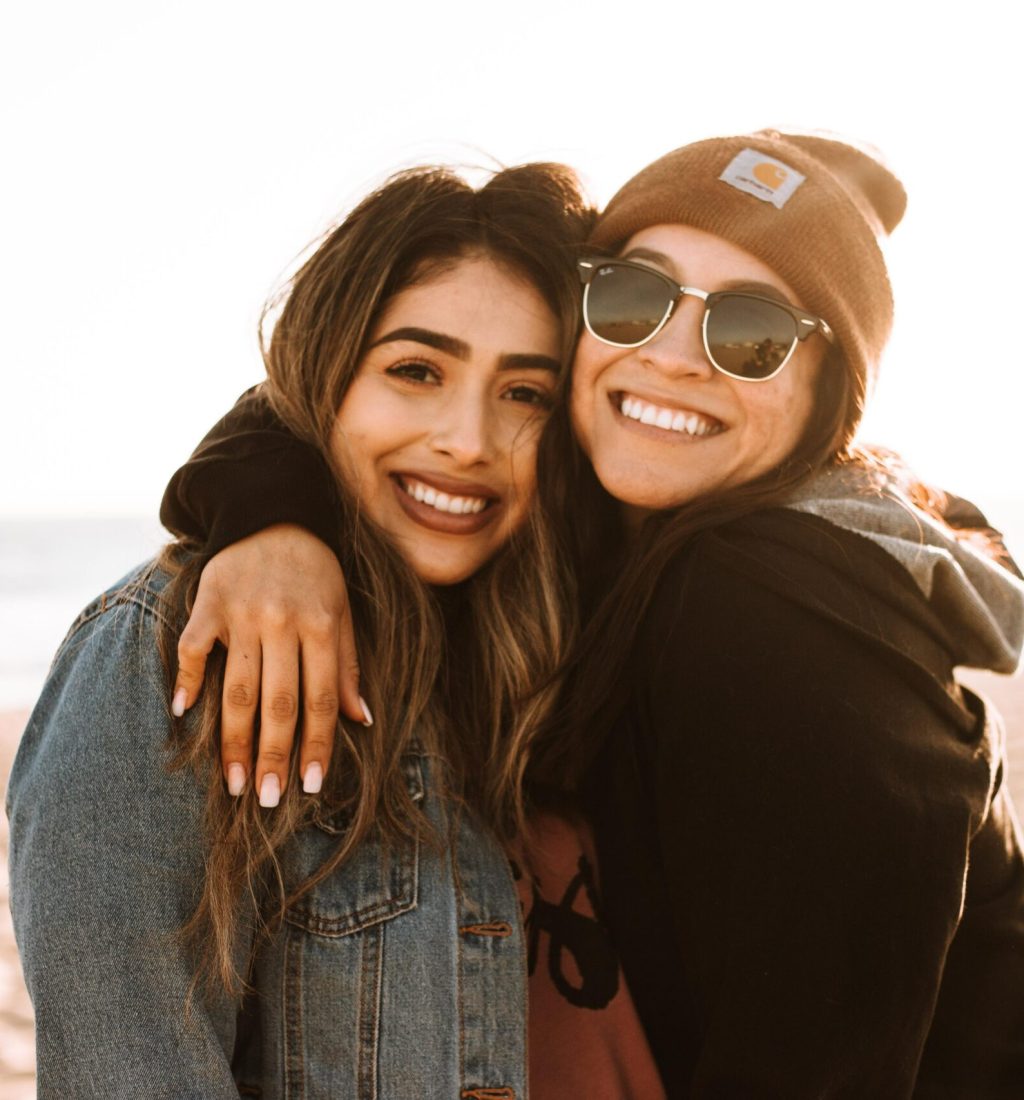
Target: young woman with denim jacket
(809, 859)
(365, 939)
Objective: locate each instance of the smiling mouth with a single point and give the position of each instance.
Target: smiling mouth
(678, 421)
(445, 511)
(448, 503)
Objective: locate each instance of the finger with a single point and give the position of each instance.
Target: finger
(352, 704)
(319, 707)
(279, 708)
(238, 710)
(194, 645)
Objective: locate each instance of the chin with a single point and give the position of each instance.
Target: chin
(646, 492)
(445, 574)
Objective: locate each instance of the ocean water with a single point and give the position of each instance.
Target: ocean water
(49, 570)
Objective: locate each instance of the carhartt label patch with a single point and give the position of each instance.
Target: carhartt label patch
(762, 176)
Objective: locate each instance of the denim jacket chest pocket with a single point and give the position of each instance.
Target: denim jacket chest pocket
(375, 884)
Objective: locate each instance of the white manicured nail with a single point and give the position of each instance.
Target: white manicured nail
(313, 780)
(236, 779)
(178, 702)
(368, 719)
(270, 791)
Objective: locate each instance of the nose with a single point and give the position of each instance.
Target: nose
(465, 430)
(678, 349)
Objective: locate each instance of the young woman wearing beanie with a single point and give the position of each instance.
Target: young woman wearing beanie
(809, 864)
(365, 939)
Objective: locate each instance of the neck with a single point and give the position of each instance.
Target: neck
(633, 519)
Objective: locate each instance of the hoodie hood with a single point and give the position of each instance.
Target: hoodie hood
(980, 602)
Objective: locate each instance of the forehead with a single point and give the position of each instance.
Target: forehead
(697, 258)
(478, 300)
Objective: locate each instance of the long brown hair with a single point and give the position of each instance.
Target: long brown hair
(498, 635)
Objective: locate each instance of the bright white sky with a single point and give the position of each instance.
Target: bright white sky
(163, 165)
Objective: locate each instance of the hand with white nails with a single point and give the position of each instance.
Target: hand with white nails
(277, 601)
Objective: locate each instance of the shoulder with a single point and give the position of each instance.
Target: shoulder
(801, 556)
(141, 593)
(770, 572)
(803, 607)
(799, 564)
(766, 669)
(123, 622)
(93, 771)
(102, 719)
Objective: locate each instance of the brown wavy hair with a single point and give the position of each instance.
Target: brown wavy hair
(460, 672)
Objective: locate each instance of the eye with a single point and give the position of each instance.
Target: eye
(415, 371)
(529, 395)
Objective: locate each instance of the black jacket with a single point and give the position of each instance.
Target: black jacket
(809, 864)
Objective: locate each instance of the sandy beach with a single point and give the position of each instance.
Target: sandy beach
(17, 1054)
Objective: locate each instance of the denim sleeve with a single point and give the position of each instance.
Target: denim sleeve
(248, 473)
(106, 860)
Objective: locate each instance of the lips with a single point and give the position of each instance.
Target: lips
(445, 504)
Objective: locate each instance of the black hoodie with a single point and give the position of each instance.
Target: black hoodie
(809, 864)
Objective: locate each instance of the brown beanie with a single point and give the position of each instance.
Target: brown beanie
(810, 207)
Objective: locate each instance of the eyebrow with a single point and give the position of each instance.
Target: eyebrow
(751, 286)
(459, 349)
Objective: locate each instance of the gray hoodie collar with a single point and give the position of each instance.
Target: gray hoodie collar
(981, 602)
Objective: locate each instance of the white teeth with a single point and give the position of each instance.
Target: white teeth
(456, 506)
(667, 419)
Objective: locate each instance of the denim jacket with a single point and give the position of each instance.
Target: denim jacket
(398, 976)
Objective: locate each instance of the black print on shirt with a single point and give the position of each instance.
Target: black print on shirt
(584, 938)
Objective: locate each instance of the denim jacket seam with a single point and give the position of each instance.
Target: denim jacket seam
(293, 1069)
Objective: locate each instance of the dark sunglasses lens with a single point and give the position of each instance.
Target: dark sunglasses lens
(625, 305)
(749, 337)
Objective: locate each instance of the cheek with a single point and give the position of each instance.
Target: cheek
(805, 398)
(356, 440)
(782, 416)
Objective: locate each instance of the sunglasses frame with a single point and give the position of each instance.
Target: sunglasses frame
(806, 323)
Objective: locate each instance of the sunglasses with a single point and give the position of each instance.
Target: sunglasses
(746, 336)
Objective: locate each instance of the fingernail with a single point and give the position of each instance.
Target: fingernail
(270, 791)
(236, 779)
(178, 702)
(313, 780)
(368, 720)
